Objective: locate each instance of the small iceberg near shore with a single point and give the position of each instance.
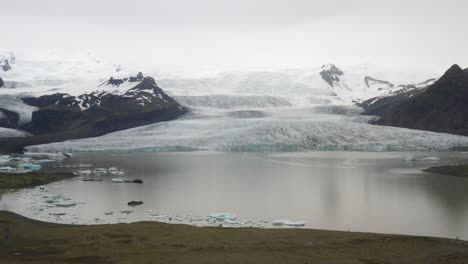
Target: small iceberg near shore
(7, 169)
(100, 171)
(288, 223)
(222, 217)
(411, 158)
(84, 172)
(120, 180)
(30, 166)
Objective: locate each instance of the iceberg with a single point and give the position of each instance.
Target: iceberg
(84, 172)
(7, 169)
(429, 159)
(30, 166)
(120, 180)
(100, 171)
(414, 158)
(222, 217)
(288, 223)
(64, 204)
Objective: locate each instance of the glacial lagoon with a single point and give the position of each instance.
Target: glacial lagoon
(383, 192)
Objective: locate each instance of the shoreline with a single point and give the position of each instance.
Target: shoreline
(454, 170)
(31, 179)
(26, 240)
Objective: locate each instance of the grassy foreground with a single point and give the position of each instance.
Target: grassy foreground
(30, 179)
(27, 241)
(458, 170)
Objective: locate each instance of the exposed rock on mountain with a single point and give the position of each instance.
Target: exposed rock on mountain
(8, 119)
(102, 112)
(442, 107)
(331, 74)
(373, 82)
(6, 61)
(61, 116)
(360, 84)
(1, 83)
(381, 105)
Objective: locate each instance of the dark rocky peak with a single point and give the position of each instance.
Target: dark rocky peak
(7, 61)
(1, 82)
(146, 83)
(331, 74)
(454, 80)
(119, 81)
(455, 69)
(440, 108)
(5, 64)
(146, 93)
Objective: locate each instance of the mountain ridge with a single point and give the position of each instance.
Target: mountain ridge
(440, 108)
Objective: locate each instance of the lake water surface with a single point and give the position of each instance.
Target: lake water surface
(356, 191)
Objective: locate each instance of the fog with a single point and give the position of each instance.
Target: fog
(242, 34)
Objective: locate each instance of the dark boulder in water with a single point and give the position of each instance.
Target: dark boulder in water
(137, 181)
(134, 203)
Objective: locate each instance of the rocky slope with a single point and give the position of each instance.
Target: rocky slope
(62, 116)
(442, 107)
(379, 105)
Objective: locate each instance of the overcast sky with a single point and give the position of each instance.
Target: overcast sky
(242, 34)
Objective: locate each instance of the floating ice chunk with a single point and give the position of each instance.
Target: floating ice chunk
(45, 160)
(222, 217)
(7, 169)
(288, 223)
(120, 180)
(100, 171)
(4, 159)
(30, 166)
(429, 159)
(109, 213)
(57, 214)
(409, 158)
(52, 196)
(84, 172)
(413, 158)
(65, 204)
(116, 171)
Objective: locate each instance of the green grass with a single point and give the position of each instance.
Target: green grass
(27, 241)
(458, 170)
(31, 179)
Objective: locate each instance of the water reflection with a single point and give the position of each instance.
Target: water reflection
(372, 192)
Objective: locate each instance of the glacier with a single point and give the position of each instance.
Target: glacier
(278, 129)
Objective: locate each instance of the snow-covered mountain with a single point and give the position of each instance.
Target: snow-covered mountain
(291, 109)
(40, 75)
(361, 84)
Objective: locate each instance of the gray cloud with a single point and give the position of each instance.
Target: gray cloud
(245, 33)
